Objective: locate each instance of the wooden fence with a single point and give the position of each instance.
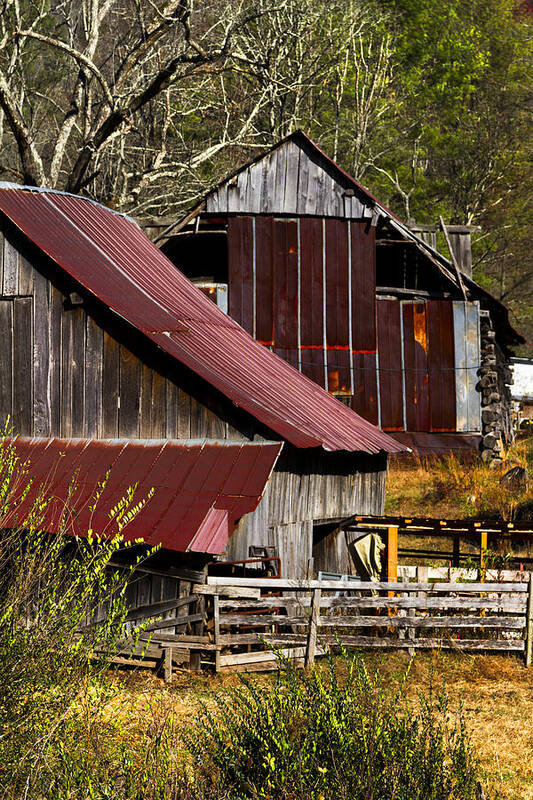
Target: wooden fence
(305, 618)
(235, 624)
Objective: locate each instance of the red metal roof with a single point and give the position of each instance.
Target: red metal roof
(109, 255)
(201, 488)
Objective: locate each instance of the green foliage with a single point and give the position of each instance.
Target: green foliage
(319, 735)
(51, 647)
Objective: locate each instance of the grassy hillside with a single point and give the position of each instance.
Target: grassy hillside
(453, 488)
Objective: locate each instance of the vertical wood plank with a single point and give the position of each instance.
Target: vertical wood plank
(42, 412)
(312, 630)
(216, 630)
(172, 410)
(65, 374)
(94, 354)
(159, 406)
(10, 278)
(55, 305)
(392, 554)
(184, 420)
(78, 319)
(129, 392)
(22, 365)
(6, 362)
(110, 383)
(145, 420)
(25, 277)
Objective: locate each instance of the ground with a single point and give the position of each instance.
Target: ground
(496, 693)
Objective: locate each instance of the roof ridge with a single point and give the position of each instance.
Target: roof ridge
(7, 185)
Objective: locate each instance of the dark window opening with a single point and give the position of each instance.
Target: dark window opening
(201, 256)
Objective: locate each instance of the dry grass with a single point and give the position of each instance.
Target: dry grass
(496, 693)
(452, 487)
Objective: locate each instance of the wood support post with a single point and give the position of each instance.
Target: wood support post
(456, 558)
(167, 664)
(312, 630)
(529, 623)
(483, 555)
(392, 555)
(216, 630)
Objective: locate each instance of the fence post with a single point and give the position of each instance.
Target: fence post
(167, 664)
(216, 629)
(483, 546)
(312, 631)
(529, 623)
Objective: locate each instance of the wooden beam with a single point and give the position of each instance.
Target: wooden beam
(453, 258)
(180, 223)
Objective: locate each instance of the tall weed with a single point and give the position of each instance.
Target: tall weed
(50, 589)
(315, 735)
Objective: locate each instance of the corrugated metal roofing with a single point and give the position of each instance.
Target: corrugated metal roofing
(201, 488)
(111, 257)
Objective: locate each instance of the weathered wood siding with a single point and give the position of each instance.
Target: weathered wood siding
(79, 371)
(64, 374)
(306, 489)
(289, 180)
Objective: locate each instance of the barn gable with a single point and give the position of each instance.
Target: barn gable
(293, 178)
(313, 266)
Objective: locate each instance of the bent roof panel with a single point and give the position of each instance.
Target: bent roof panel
(111, 257)
(188, 506)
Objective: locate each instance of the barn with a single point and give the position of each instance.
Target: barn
(325, 276)
(113, 357)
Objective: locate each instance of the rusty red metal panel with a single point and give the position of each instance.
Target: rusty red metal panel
(363, 247)
(191, 480)
(416, 366)
(365, 397)
(338, 307)
(264, 280)
(312, 299)
(285, 282)
(390, 364)
(110, 256)
(240, 271)
(424, 444)
(441, 358)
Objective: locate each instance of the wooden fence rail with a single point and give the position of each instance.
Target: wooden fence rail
(311, 616)
(237, 623)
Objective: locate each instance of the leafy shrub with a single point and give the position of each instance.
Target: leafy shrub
(50, 589)
(315, 736)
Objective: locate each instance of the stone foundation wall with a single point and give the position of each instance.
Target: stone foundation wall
(495, 378)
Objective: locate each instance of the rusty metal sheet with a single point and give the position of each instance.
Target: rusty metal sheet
(365, 398)
(264, 325)
(312, 332)
(363, 282)
(467, 358)
(390, 364)
(441, 363)
(110, 256)
(240, 271)
(201, 488)
(337, 268)
(285, 290)
(416, 366)
(424, 444)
